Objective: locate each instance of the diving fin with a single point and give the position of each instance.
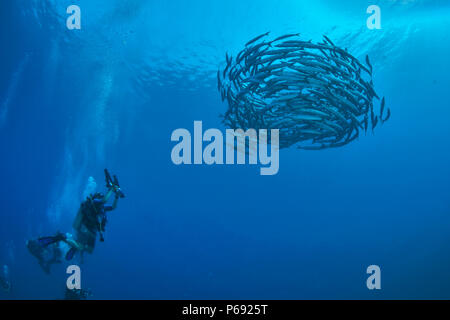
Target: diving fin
(46, 241)
(70, 254)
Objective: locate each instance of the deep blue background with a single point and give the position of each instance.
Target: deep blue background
(110, 95)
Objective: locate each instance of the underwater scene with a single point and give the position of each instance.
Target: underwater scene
(238, 149)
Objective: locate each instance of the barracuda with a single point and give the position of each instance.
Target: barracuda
(314, 93)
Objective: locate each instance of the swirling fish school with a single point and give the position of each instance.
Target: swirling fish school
(317, 94)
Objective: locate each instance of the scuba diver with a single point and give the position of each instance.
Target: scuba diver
(77, 294)
(5, 282)
(49, 252)
(90, 220)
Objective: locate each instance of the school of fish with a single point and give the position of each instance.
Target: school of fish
(317, 94)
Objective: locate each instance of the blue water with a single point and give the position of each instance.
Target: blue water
(73, 102)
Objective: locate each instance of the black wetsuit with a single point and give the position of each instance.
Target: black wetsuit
(93, 221)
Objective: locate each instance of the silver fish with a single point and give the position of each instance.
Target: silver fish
(257, 38)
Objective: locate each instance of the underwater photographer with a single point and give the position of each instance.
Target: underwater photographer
(90, 220)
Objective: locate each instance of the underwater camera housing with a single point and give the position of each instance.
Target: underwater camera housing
(113, 183)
